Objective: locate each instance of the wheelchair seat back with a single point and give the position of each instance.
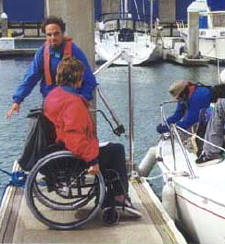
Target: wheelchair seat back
(40, 136)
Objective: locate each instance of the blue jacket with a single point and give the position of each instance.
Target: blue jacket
(35, 73)
(189, 110)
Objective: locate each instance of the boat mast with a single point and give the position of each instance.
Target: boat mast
(143, 9)
(151, 17)
(126, 7)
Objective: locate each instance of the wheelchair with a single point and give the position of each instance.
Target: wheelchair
(62, 195)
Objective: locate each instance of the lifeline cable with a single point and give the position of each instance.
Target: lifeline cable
(205, 141)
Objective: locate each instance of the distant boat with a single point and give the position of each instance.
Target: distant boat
(211, 34)
(118, 32)
(19, 46)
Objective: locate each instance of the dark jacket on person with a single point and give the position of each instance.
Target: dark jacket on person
(187, 112)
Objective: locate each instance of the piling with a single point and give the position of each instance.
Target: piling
(80, 25)
(1, 6)
(111, 6)
(4, 24)
(193, 35)
(167, 11)
(193, 10)
(79, 18)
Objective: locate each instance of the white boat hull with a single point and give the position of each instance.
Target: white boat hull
(142, 50)
(200, 201)
(211, 43)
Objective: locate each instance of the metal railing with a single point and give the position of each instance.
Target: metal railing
(174, 134)
(123, 54)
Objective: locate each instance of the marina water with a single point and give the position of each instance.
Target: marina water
(150, 85)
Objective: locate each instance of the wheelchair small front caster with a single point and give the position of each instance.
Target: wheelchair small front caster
(110, 215)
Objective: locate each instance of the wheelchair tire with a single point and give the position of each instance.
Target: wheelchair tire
(71, 202)
(110, 216)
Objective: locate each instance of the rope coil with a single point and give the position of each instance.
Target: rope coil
(18, 178)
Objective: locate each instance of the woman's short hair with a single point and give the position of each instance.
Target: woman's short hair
(53, 20)
(70, 71)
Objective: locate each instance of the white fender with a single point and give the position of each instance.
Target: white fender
(169, 199)
(222, 76)
(147, 162)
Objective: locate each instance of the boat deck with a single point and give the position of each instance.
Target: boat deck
(17, 52)
(18, 225)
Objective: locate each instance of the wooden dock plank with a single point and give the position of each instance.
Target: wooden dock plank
(161, 219)
(129, 230)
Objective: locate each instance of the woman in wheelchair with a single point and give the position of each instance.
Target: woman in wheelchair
(69, 112)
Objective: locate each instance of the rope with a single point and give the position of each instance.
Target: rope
(137, 10)
(154, 177)
(18, 178)
(185, 131)
(201, 139)
(5, 172)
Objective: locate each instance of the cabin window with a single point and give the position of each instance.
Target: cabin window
(202, 33)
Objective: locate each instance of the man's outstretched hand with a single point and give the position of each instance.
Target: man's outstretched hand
(14, 109)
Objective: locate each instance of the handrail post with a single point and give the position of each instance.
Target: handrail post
(174, 131)
(192, 174)
(128, 58)
(131, 116)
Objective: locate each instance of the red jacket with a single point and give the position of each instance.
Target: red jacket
(74, 126)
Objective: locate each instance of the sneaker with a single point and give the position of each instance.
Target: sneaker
(127, 207)
(203, 158)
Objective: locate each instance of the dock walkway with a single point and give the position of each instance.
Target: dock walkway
(18, 225)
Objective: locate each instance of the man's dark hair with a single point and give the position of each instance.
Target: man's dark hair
(53, 20)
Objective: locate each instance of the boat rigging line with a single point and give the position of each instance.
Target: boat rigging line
(135, 3)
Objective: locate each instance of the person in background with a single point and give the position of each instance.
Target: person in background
(44, 65)
(191, 98)
(214, 134)
(215, 129)
(68, 111)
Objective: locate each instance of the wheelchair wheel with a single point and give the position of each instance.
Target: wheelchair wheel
(110, 215)
(61, 194)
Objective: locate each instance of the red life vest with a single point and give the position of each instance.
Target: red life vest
(191, 89)
(66, 52)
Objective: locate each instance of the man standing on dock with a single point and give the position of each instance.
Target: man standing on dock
(45, 63)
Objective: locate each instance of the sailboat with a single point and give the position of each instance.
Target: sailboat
(193, 194)
(120, 32)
